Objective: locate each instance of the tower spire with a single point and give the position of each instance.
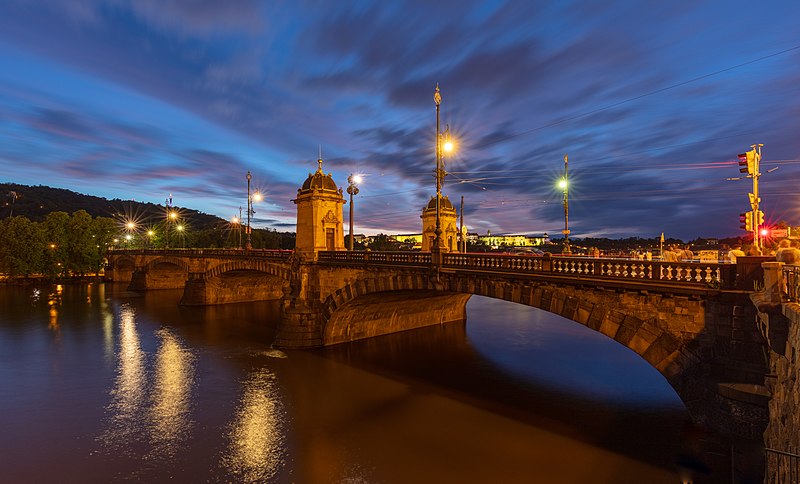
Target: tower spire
(319, 160)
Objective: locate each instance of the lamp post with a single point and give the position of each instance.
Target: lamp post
(238, 222)
(352, 189)
(564, 184)
(437, 99)
(249, 212)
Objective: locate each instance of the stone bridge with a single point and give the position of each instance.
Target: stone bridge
(693, 322)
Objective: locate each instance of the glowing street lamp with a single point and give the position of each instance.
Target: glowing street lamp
(237, 221)
(563, 184)
(352, 189)
(257, 197)
(443, 144)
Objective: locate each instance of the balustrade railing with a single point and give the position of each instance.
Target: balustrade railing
(369, 257)
(706, 274)
(261, 253)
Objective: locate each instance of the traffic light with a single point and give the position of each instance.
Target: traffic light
(759, 221)
(754, 201)
(764, 231)
(747, 162)
(746, 219)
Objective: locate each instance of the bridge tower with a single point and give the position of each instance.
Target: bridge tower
(319, 215)
(448, 218)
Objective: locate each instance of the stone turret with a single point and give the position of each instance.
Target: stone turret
(319, 215)
(448, 222)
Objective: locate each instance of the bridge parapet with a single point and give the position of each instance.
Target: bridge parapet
(713, 275)
(701, 275)
(215, 253)
(369, 257)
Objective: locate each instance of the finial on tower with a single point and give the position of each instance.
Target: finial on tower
(437, 97)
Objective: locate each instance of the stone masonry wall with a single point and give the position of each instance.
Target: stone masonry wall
(783, 431)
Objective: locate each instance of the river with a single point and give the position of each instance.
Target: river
(99, 384)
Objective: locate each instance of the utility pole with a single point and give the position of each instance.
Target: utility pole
(461, 230)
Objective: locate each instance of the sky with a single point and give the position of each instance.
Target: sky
(651, 101)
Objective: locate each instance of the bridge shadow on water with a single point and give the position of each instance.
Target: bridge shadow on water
(443, 359)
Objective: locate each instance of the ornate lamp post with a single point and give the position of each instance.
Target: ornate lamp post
(437, 99)
(352, 189)
(564, 184)
(249, 212)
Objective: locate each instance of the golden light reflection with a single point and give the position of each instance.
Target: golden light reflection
(257, 442)
(130, 385)
(54, 301)
(174, 378)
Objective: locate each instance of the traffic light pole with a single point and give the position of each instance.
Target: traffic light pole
(754, 203)
(753, 220)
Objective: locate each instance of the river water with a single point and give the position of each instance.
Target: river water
(98, 384)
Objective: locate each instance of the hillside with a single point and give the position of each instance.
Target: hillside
(35, 202)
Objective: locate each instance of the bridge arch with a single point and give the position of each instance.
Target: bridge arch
(167, 260)
(248, 265)
(237, 281)
(611, 313)
(122, 268)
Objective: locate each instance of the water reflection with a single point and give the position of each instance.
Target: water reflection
(256, 439)
(170, 425)
(54, 301)
(130, 386)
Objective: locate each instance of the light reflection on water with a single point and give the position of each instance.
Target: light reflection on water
(173, 380)
(256, 450)
(158, 392)
(130, 387)
(151, 407)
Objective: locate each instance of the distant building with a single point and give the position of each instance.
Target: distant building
(513, 240)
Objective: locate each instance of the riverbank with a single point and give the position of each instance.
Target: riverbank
(37, 279)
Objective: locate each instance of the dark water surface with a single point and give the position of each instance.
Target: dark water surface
(98, 384)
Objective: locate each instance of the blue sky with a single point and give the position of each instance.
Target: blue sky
(652, 101)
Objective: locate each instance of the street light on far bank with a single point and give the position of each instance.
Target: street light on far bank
(352, 189)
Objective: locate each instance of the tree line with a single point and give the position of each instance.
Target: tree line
(64, 245)
(59, 246)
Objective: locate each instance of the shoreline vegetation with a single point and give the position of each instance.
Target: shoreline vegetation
(6, 280)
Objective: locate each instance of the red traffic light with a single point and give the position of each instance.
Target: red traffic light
(742, 162)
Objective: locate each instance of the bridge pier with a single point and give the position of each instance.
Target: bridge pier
(138, 279)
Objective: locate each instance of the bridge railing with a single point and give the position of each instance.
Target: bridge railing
(260, 253)
(780, 466)
(791, 279)
(710, 274)
(369, 257)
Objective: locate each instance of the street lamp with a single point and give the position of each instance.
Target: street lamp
(238, 222)
(352, 189)
(564, 185)
(250, 212)
(437, 99)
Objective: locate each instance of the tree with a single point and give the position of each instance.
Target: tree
(54, 230)
(21, 247)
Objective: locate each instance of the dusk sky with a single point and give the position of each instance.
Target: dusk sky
(652, 101)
